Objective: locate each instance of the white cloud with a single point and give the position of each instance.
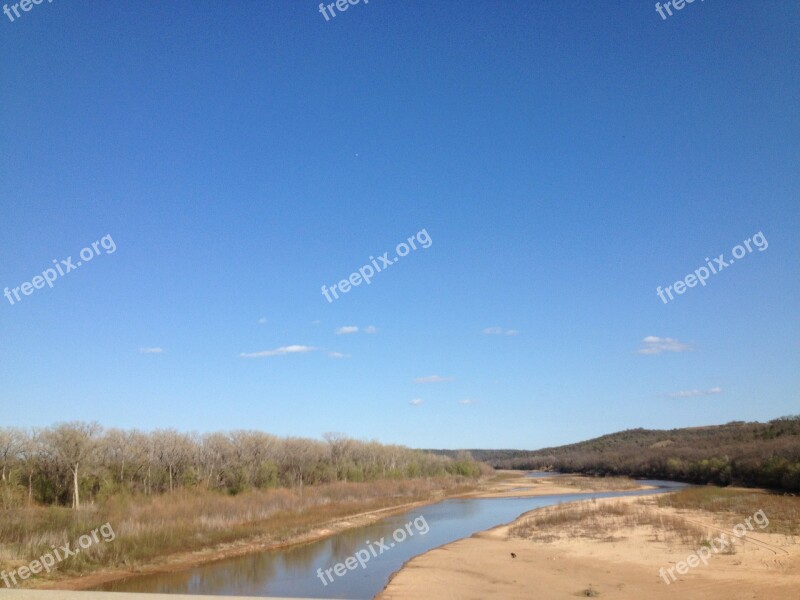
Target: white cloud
(693, 393)
(656, 345)
(338, 355)
(155, 350)
(415, 401)
(467, 401)
(347, 329)
(262, 321)
(294, 349)
(432, 379)
(500, 331)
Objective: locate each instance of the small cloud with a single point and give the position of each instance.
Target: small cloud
(338, 355)
(155, 350)
(415, 401)
(432, 379)
(371, 329)
(656, 345)
(693, 393)
(316, 322)
(346, 330)
(499, 331)
(294, 349)
(467, 401)
(262, 321)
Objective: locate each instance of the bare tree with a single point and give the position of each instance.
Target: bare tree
(29, 453)
(11, 440)
(63, 457)
(257, 452)
(339, 447)
(216, 451)
(172, 450)
(72, 444)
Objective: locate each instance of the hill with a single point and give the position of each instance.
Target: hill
(739, 453)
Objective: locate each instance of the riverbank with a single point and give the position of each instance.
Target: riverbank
(615, 548)
(301, 521)
(178, 531)
(328, 522)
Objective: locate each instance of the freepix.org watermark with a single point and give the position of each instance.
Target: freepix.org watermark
(25, 5)
(676, 4)
(48, 561)
(702, 273)
(367, 272)
(342, 5)
(363, 556)
(704, 553)
(62, 267)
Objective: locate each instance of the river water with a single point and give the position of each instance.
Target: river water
(293, 572)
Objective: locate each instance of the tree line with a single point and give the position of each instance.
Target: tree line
(70, 463)
(740, 453)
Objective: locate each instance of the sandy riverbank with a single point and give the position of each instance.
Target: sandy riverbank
(610, 558)
(188, 560)
(517, 484)
(509, 483)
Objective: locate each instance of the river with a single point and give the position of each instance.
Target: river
(293, 571)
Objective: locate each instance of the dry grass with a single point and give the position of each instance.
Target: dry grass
(600, 484)
(602, 520)
(148, 528)
(783, 511)
(662, 517)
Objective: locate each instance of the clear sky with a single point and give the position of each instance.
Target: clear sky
(566, 159)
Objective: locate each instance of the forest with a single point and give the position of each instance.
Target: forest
(737, 453)
(73, 463)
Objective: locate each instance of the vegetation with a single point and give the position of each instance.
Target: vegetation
(601, 520)
(168, 492)
(73, 463)
(748, 454)
(783, 511)
(598, 484)
(150, 527)
(675, 517)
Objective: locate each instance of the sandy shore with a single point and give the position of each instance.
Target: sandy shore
(622, 562)
(510, 483)
(517, 484)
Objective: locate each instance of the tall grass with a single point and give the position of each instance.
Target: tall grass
(783, 511)
(150, 527)
(601, 520)
(596, 483)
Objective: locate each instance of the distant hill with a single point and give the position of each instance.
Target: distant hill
(740, 453)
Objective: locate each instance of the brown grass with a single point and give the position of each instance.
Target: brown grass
(148, 528)
(596, 483)
(735, 504)
(662, 516)
(601, 520)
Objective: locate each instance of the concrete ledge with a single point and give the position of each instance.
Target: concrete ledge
(63, 595)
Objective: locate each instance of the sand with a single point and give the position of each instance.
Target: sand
(622, 563)
(510, 483)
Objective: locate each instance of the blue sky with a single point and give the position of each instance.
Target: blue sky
(565, 160)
